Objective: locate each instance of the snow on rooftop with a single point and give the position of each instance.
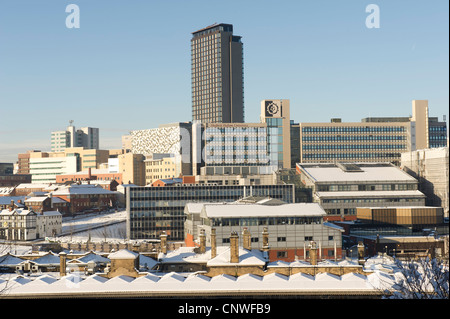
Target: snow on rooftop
(123, 254)
(176, 283)
(246, 257)
(368, 173)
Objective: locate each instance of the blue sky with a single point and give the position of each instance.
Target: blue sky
(128, 65)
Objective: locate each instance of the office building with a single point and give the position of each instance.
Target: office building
(243, 148)
(217, 75)
(132, 168)
(374, 139)
(162, 166)
(45, 169)
(430, 167)
(341, 188)
(87, 137)
(291, 227)
(276, 115)
(154, 210)
(242, 144)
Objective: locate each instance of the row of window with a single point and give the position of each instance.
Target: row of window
(263, 221)
(355, 147)
(440, 129)
(365, 187)
(354, 129)
(350, 156)
(352, 138)
(370, 200)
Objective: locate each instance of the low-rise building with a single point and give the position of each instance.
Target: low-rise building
(153, 210)
(48, 224)
(342, 187)
(290, 227)
(89, 175)
(17, 224)
(86, 197)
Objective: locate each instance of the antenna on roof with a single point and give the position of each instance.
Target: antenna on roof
(70, 122)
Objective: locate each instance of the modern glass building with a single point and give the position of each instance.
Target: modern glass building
(153, 210)
(217, 75)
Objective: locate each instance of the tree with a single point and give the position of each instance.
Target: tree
(423, 278)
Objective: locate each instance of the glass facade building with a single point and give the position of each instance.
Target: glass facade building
(153, 210)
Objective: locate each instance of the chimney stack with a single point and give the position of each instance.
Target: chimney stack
(234, 247)
(213, 243)
(62, 263)
(313, 253)
(265, 234)
(247, 239)
(11, 206)
(361, 253)
(202, 241)
(163, 244)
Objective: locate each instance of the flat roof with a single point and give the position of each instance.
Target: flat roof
(213, 26)
(368, 173)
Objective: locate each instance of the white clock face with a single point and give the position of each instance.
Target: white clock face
(272, 108)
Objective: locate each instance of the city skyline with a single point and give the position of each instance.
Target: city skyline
(127, 68)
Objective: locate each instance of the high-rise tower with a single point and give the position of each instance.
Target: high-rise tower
(217, 75)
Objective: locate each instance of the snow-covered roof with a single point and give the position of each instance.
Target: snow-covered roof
(18, 211)
(123, 254)
(81, 189)
(174, 283)
(6, 200)
(36, 199)
(32, 185)
(93, 257)
(369, 173)
(51, 213)
(252, 257)
(48, 259)
(9, 260)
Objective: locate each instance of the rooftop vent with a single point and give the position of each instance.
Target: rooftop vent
(349, 167)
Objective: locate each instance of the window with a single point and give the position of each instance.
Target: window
(281, 239)
(308, 238)
(281, 254)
